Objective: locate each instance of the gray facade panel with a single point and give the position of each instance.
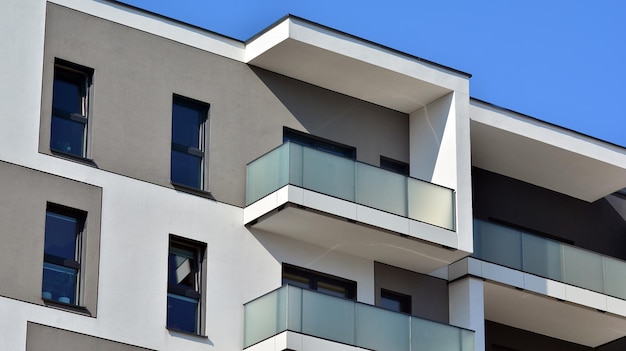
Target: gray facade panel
(43, 338)
(429, 295)
(594, 226)
(26, 193)
(136, 75)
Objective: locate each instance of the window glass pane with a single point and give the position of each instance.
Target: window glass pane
(68, 93)
(332, 289)
(296, 280)
(395, 302)
(186, 169)
(59, 283)
(182, 313)
(61, 234)
(67, 136)
(186, 125)
(182, 268)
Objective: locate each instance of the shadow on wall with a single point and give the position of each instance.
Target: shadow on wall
(374, 130)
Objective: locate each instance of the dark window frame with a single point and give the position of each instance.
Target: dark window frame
(319, 143)
(315, 278)
(74, 264)
(82, 77)
(404, 300)
(201, 151)
(396, 166)
(198, 250)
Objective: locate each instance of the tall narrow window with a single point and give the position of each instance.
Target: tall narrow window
(68, 131)
(184, 289)
(61, 268)
(189, 119)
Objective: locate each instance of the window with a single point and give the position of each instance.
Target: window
(184, 285)
(62, 248)
(395, 301)
(68, 131)
(189, 119)
(319, 143)
(394, 165)
(323, 283)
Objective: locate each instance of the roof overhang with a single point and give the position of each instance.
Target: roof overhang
(355, 67)
(545, 155)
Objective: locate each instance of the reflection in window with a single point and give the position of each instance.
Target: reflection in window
(188, 142)
(395, 301)
(184, 287)
(61, 269)
(320, 282)
(68, 130)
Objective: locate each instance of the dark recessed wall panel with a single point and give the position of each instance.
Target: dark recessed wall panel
(595, 226)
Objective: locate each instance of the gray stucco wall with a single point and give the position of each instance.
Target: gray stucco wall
(43, 338)
(595, 226)
(429, 296)
(26, 193)
(136, 74)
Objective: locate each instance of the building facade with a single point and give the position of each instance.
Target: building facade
(169, 188)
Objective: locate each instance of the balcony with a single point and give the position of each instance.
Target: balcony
(346, 322)
(349, 180)
(341, 204)
(549, 259)
(547, 287)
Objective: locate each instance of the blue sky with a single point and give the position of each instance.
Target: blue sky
(562, 61)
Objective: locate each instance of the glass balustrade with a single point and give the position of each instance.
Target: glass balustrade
(349, 180)
(549, 259)
(348, 322)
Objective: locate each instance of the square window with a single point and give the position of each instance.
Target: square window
(395, 301)
(62, 245)
(189, 124)
(68, 130)
(184, 285)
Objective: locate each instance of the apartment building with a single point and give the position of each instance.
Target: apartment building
(169, 188)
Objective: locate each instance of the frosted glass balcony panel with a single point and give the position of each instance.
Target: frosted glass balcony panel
(467, 340)
(583, 268)
(295, 164)
(615, 277)
(432, 336)
(265, 317)
(349, 180)
(328, 174)
(499, 245)
(328, 317)
(430, 203)
(378, 188)
(550, 259)
(348, 322)
(267, 174)
(542, 257)
(380, 329)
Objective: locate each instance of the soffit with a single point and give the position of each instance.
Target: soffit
(550, 317)
(545, 155)
(351, 66)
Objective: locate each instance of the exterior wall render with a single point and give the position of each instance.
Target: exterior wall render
(26, 193)
(132, 98)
